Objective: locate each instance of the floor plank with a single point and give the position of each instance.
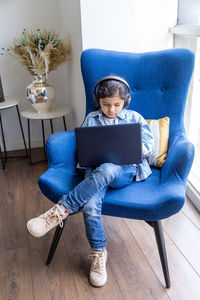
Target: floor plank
(134, 270)
(78, 251)
(134, 274)
(185, 282)
(186, 236)
(55, 281)
(12, 215)
(192, 213)
(15, 275)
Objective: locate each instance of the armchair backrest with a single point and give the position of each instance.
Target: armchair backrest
(159, 81)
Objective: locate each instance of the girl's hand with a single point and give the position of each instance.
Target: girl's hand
(143, 150)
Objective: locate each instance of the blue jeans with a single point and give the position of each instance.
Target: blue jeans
(88, 197)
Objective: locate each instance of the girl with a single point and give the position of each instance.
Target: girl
(112, 96)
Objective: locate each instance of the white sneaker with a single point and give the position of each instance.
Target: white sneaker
(41, 225)
(98, 274)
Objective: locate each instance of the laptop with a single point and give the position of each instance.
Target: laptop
(119, 144)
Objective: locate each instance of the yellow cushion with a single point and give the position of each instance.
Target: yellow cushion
(160, 130)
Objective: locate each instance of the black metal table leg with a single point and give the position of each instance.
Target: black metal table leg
(4, 155)
(29, 142)
(51, 123)
(22, 131)
(1, 157)
(65, 127)
(43, 136)
(4, 152)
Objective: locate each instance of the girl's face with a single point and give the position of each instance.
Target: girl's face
(111, 106)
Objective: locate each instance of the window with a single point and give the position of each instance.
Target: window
(194, 131)
(187, 35)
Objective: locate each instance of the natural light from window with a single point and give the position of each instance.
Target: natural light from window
(194, 133)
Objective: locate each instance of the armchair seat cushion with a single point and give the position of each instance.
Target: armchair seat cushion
(146, 200)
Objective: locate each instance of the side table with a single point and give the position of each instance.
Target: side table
(9, 103)
(31, 114)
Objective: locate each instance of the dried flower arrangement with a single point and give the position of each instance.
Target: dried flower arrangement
(40, 52)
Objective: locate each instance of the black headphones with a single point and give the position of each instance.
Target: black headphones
(117, 78)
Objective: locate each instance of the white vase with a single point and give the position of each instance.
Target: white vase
(40, 94)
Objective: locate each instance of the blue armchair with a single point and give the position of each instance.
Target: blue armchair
(159, 84)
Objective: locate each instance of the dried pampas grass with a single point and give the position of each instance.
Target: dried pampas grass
(40, 52)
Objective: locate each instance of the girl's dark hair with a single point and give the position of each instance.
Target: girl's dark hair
(112, 88)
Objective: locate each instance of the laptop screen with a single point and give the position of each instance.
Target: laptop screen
(118, 144)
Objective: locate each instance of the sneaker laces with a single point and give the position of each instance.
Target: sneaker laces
(98, 261)
(54, 215)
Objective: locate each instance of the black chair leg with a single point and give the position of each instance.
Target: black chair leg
(55, 241)
(157, 225)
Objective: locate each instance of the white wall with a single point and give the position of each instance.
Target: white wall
(124, 25)
(71, 22)
(63, 16)
(128, 25)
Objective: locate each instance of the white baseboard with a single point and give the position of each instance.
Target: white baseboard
(20, 145)
(193, 195)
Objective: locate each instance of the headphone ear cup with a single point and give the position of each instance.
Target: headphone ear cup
(95, 100)
(129, 100)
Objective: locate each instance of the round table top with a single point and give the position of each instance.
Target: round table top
(55, 112)
(9, 102)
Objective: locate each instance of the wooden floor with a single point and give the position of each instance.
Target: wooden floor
(134, 270)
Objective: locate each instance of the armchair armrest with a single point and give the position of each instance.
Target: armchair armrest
(61, 150)
(61, 154)
(179, 160)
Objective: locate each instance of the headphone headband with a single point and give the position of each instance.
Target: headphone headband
(112, 77)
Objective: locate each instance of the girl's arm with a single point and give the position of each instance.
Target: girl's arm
(147, 138)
